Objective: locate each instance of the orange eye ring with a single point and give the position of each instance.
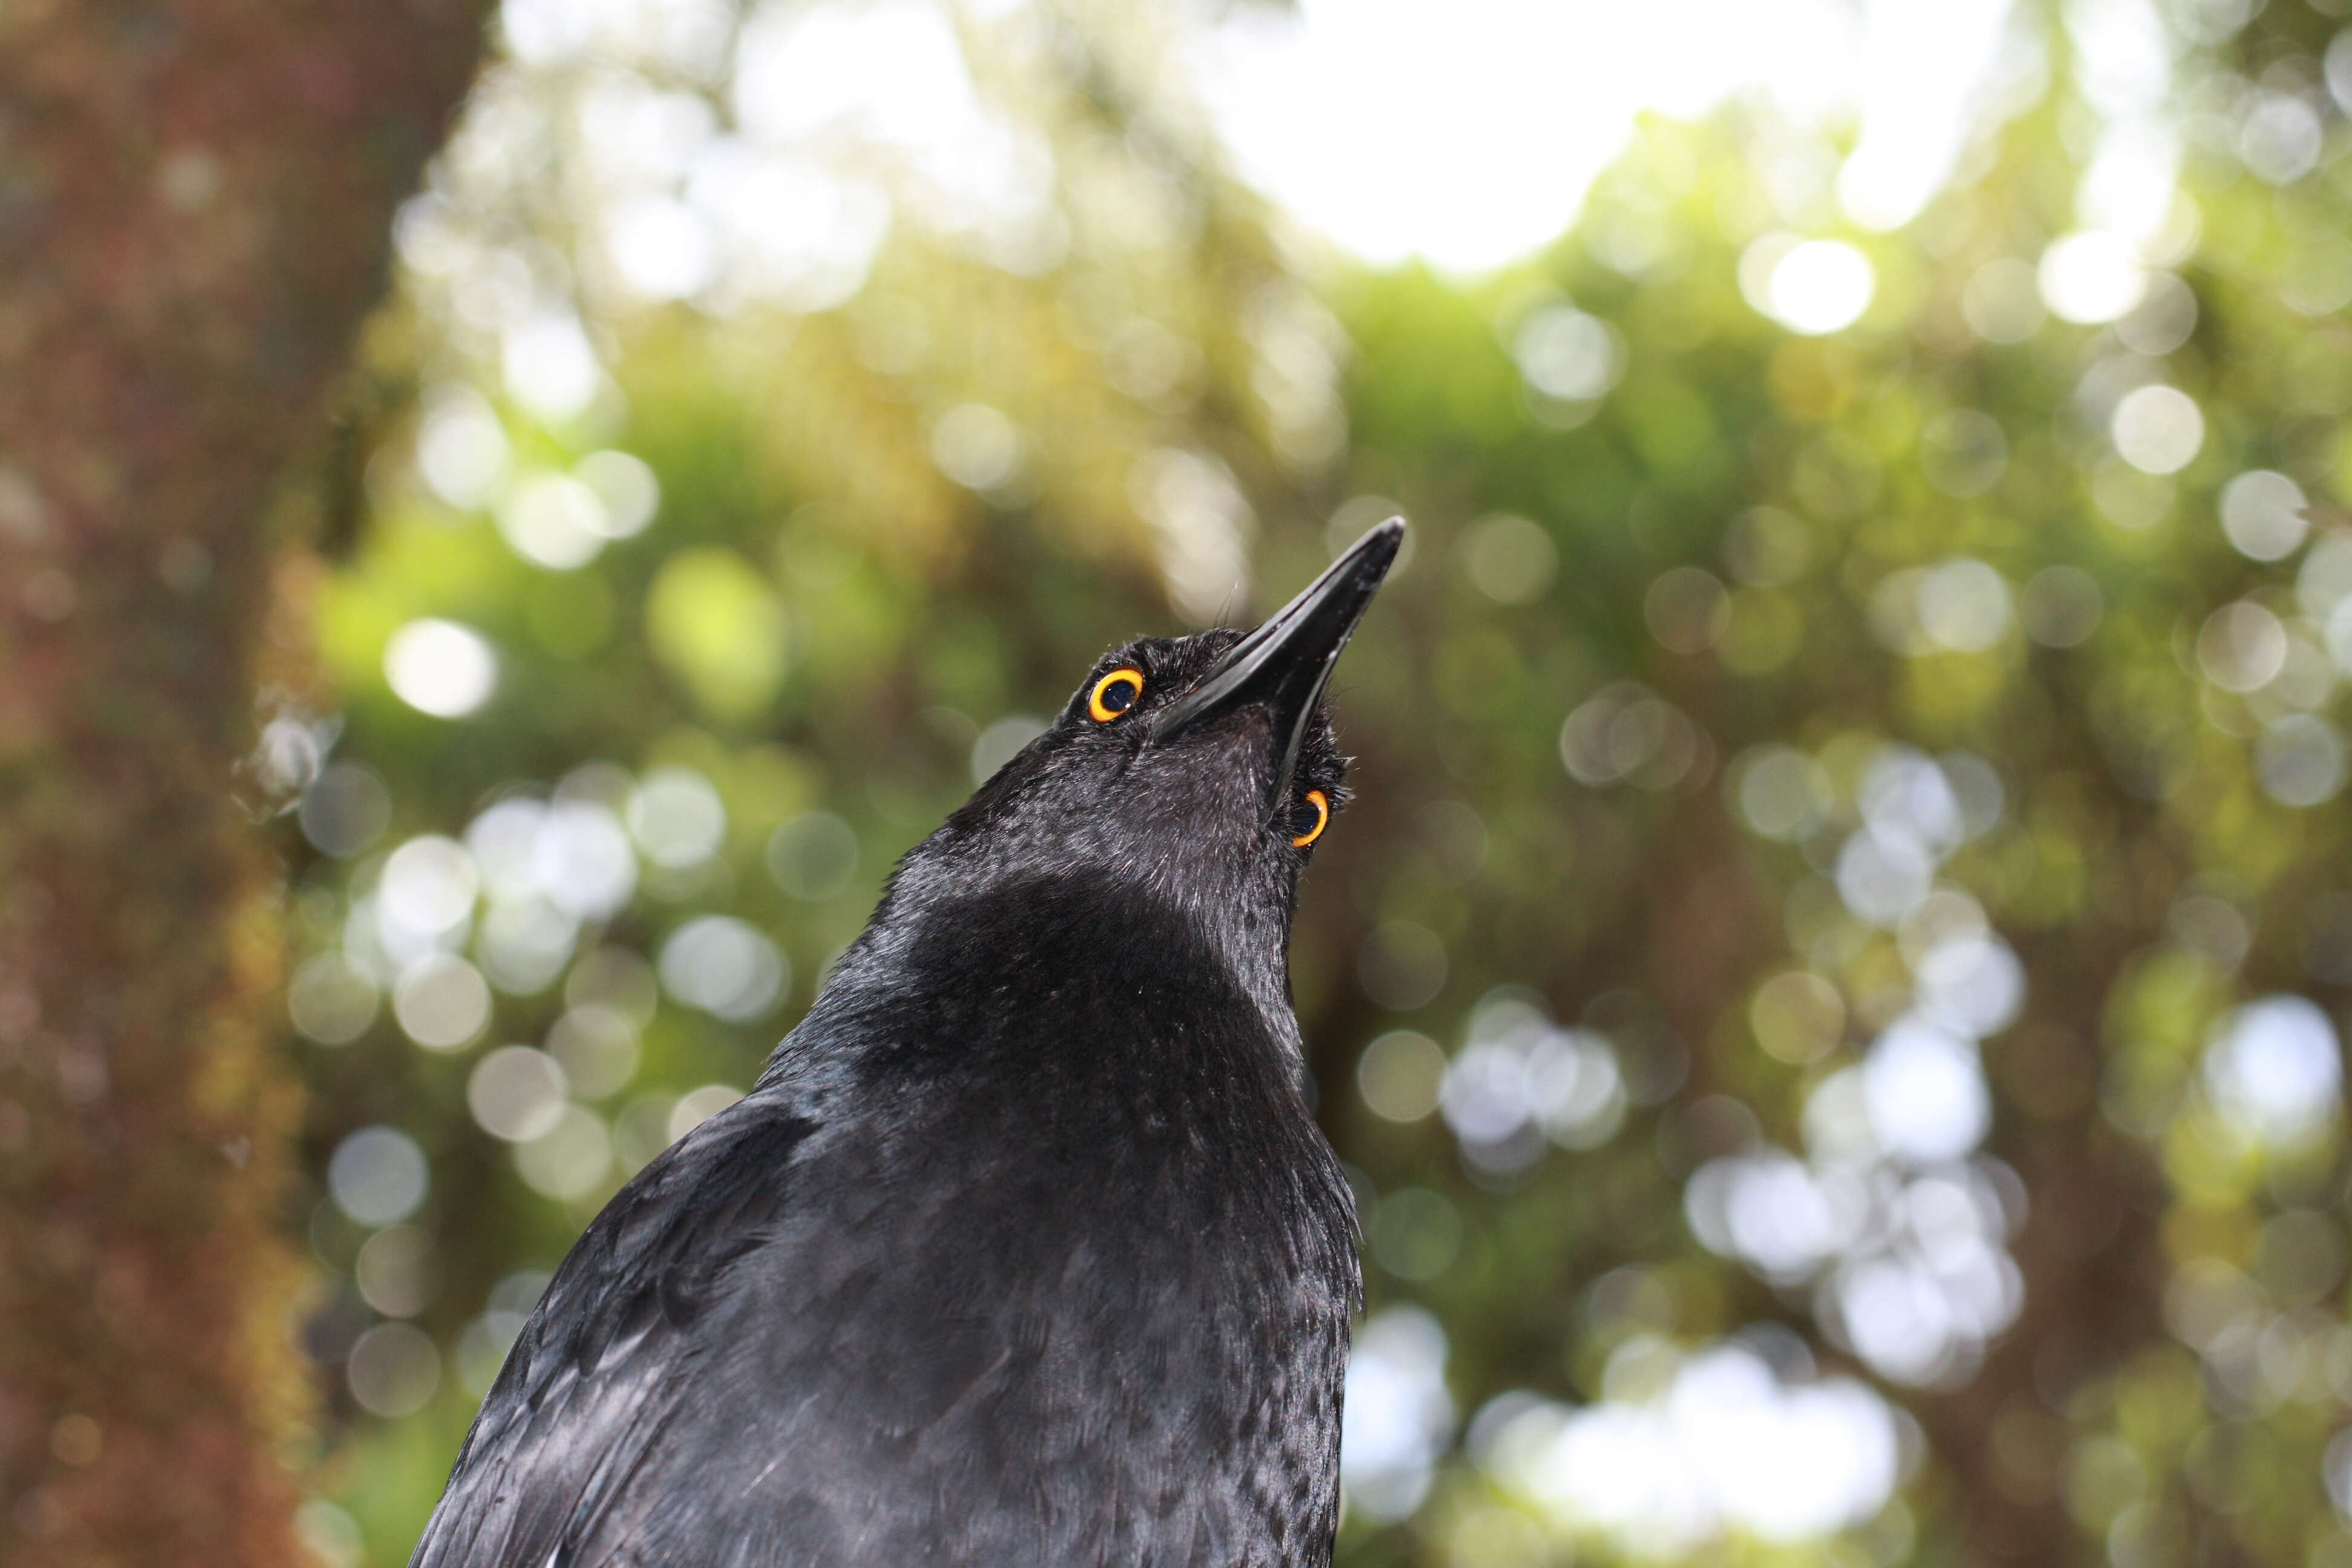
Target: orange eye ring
(1322, 805)
(1114, 694)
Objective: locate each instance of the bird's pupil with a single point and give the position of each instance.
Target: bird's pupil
(1305, 818)
(1118, 696)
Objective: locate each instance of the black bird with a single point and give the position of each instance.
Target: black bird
(1025, 1248)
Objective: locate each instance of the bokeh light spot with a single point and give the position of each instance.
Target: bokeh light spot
(1396, 1416)
(814, 856)
(596, 1045)
(345, 810)
(572, 1159)
(330, 999)
(2062, 606)
(1509, 559)
(2090, 277)
(1567, 354)
(393, 1369)
(977, 447)
(377, 1175)
(1782, 794)
(2300, 761)
(461, 448)
(724, 966)
(1686, 609)
(440, 667)
(515, 1093)
(2002, 302)
(1798, 1016)
(2275, 1072)
(442, 1002)
(394, 1271)
(2242, 646)
(554, 521)
(1925, 1092)
(2262, 514)
(1399, 1075)
(1813, 287)
(2158, 429)
(676, 817)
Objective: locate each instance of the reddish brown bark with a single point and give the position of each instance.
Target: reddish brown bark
(194, 203)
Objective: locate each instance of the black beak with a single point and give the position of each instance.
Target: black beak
(1284, 665)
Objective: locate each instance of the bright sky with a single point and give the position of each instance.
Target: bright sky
(1466, 134)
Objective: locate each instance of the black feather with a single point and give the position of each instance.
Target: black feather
(1024, 1247)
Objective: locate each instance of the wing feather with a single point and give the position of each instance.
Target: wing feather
(617, 1348)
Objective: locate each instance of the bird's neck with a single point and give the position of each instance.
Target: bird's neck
(1101, 963)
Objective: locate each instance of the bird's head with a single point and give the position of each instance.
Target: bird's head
(1197, 772)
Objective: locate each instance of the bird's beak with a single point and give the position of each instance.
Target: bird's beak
(1285, 663)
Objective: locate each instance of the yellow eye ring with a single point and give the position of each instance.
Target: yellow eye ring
(1322, 805)
(1114, 694)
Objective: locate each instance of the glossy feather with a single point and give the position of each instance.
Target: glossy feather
(1024, 1249)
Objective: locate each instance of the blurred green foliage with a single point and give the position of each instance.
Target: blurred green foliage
(1830, 989)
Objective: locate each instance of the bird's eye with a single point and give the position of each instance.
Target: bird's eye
(1309, 818)
(1114, 694)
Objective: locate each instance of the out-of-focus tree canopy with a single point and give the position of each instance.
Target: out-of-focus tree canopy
(1831, 989)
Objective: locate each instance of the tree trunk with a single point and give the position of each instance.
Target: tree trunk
(194, 203)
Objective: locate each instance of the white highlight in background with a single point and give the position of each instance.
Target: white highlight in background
(1473, 144)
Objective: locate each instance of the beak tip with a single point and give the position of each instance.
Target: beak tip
(1358, 575)
(1287, 660)
(1382, 543)
(1363, 565)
